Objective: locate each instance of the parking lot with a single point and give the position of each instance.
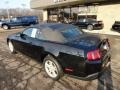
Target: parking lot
(19, 72)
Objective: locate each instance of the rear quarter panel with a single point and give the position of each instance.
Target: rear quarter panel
(68, 57)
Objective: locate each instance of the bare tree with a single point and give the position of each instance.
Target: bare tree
(21, 12)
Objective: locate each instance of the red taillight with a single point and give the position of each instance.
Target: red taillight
(94, 55)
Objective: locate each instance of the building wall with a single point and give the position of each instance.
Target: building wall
(42, 4)
(45, 15)
(109, 14)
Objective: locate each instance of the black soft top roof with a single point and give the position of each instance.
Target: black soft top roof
(53, 26)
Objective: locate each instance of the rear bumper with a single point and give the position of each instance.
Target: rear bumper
(94, 75)
(95, 69)
(89, 77)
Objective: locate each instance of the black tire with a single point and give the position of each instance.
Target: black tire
(59, 72)
(11, 47)
(5, 27)
(90, 27)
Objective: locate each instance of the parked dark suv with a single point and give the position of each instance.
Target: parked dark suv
(116, 26)
(20, 21)
(88, 23)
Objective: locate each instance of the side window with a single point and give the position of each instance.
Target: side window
(39, 35)
(87, 20)
(52, 35)
(30, 32)
(81, 20)
(49, 35)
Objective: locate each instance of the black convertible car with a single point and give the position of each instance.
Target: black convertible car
(63, 49)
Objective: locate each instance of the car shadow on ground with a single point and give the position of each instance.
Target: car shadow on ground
(19, 27)
(14, 28)
(118, 31)
(105, 81)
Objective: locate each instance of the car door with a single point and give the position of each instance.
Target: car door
(27, 42)
(36, 44)
(22, 39)
(30, 45)
(13, 22)
(24, 21)
(18, 21)
(81, 23)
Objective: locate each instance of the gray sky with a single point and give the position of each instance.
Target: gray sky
(14, 4)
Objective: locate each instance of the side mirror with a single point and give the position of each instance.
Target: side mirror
(21, 35)
(18, 35)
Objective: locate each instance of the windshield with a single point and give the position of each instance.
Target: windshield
(71, 33)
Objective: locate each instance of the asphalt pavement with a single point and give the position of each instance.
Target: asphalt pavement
(19, 72)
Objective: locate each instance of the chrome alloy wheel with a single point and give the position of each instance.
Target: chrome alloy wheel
(5, 27)
(51, 69)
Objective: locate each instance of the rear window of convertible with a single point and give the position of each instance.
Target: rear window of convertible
(63, 35)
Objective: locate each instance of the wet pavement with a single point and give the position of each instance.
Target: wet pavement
(19, 72)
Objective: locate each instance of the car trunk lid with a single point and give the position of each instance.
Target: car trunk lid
(92, 43)
(86, 42)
